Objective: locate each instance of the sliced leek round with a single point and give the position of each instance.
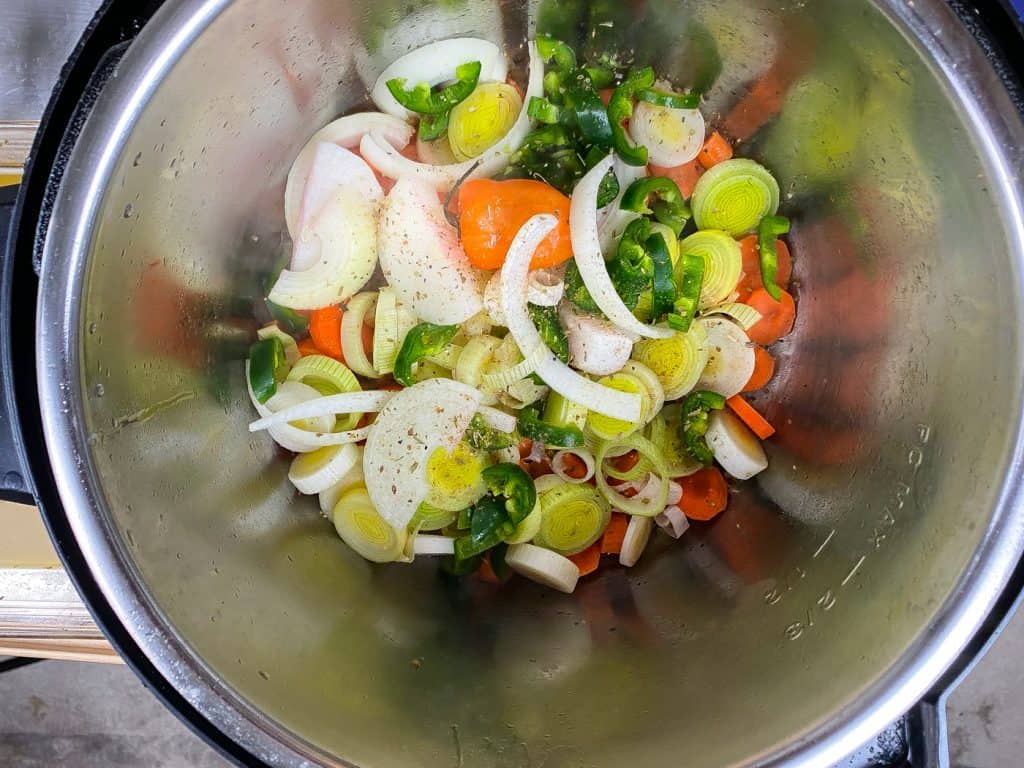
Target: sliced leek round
(723, 264)
(730, 357)
(427, 544)
(745, 315)
(482, 120)
(677, 361)
(653, 386)
(361, 310)
(638, 533)
(361, 526)
(527, 529)
(455, 479)
(652, 495)
(574, 517)
(328, 377)
(734, 196)
(431, 518)
(318, 470)
(392, 321)
(609, 427)
(734, 446)
(329, 497)
(664, 433)
(543, 566)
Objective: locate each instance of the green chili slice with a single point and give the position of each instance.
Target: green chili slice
(663, 289)
(658, 196)
(691, 269)
(426, 101)
(693, 425)
(531, 426)
(267, 367)
(423, 340)
(620, 109)
(669, 99)
(768, 231)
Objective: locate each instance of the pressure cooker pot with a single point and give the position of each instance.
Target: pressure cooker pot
(829, 597)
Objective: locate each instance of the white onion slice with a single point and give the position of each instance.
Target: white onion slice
(347, 402)
(612, 220)
(672, 136)
(382, 155)
(415, 422)
(436, 64)
(497, 419)
(558, 462)
(586, 246)
(433, 544)
(329, 498)
(422, 259)
(595, 345)
(544, 287)
(344, 132)
(556, 374)
(673, 522)
(332, 170)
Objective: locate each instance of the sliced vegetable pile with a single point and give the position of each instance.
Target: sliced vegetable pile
(554, 359)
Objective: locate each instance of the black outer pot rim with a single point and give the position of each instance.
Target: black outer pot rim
(994, 23)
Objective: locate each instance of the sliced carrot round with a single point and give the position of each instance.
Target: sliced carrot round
(705, 494)
(588, 560)
(325, 330)
(752, 266)
(777, 317)
(613, 536)
(764, 369)
(307, 347)
(685, 176)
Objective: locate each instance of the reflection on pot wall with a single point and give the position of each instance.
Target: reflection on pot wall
(720, 646)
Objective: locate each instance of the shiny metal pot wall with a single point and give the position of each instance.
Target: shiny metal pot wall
(828, 597)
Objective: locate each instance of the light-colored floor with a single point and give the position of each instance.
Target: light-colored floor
(76, 715)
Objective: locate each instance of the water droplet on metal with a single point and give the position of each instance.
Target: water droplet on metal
(128, 210)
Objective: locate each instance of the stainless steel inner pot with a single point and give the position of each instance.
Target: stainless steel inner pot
(818, 608)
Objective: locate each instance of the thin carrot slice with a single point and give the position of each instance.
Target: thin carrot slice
(588, 560)
(705, 494)
(777, 317)
(764, 369)
(685, 176)
(325, 330)
(716, 150)
(486, 573)
(614, 534)
(758, 424)
(307, 347)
